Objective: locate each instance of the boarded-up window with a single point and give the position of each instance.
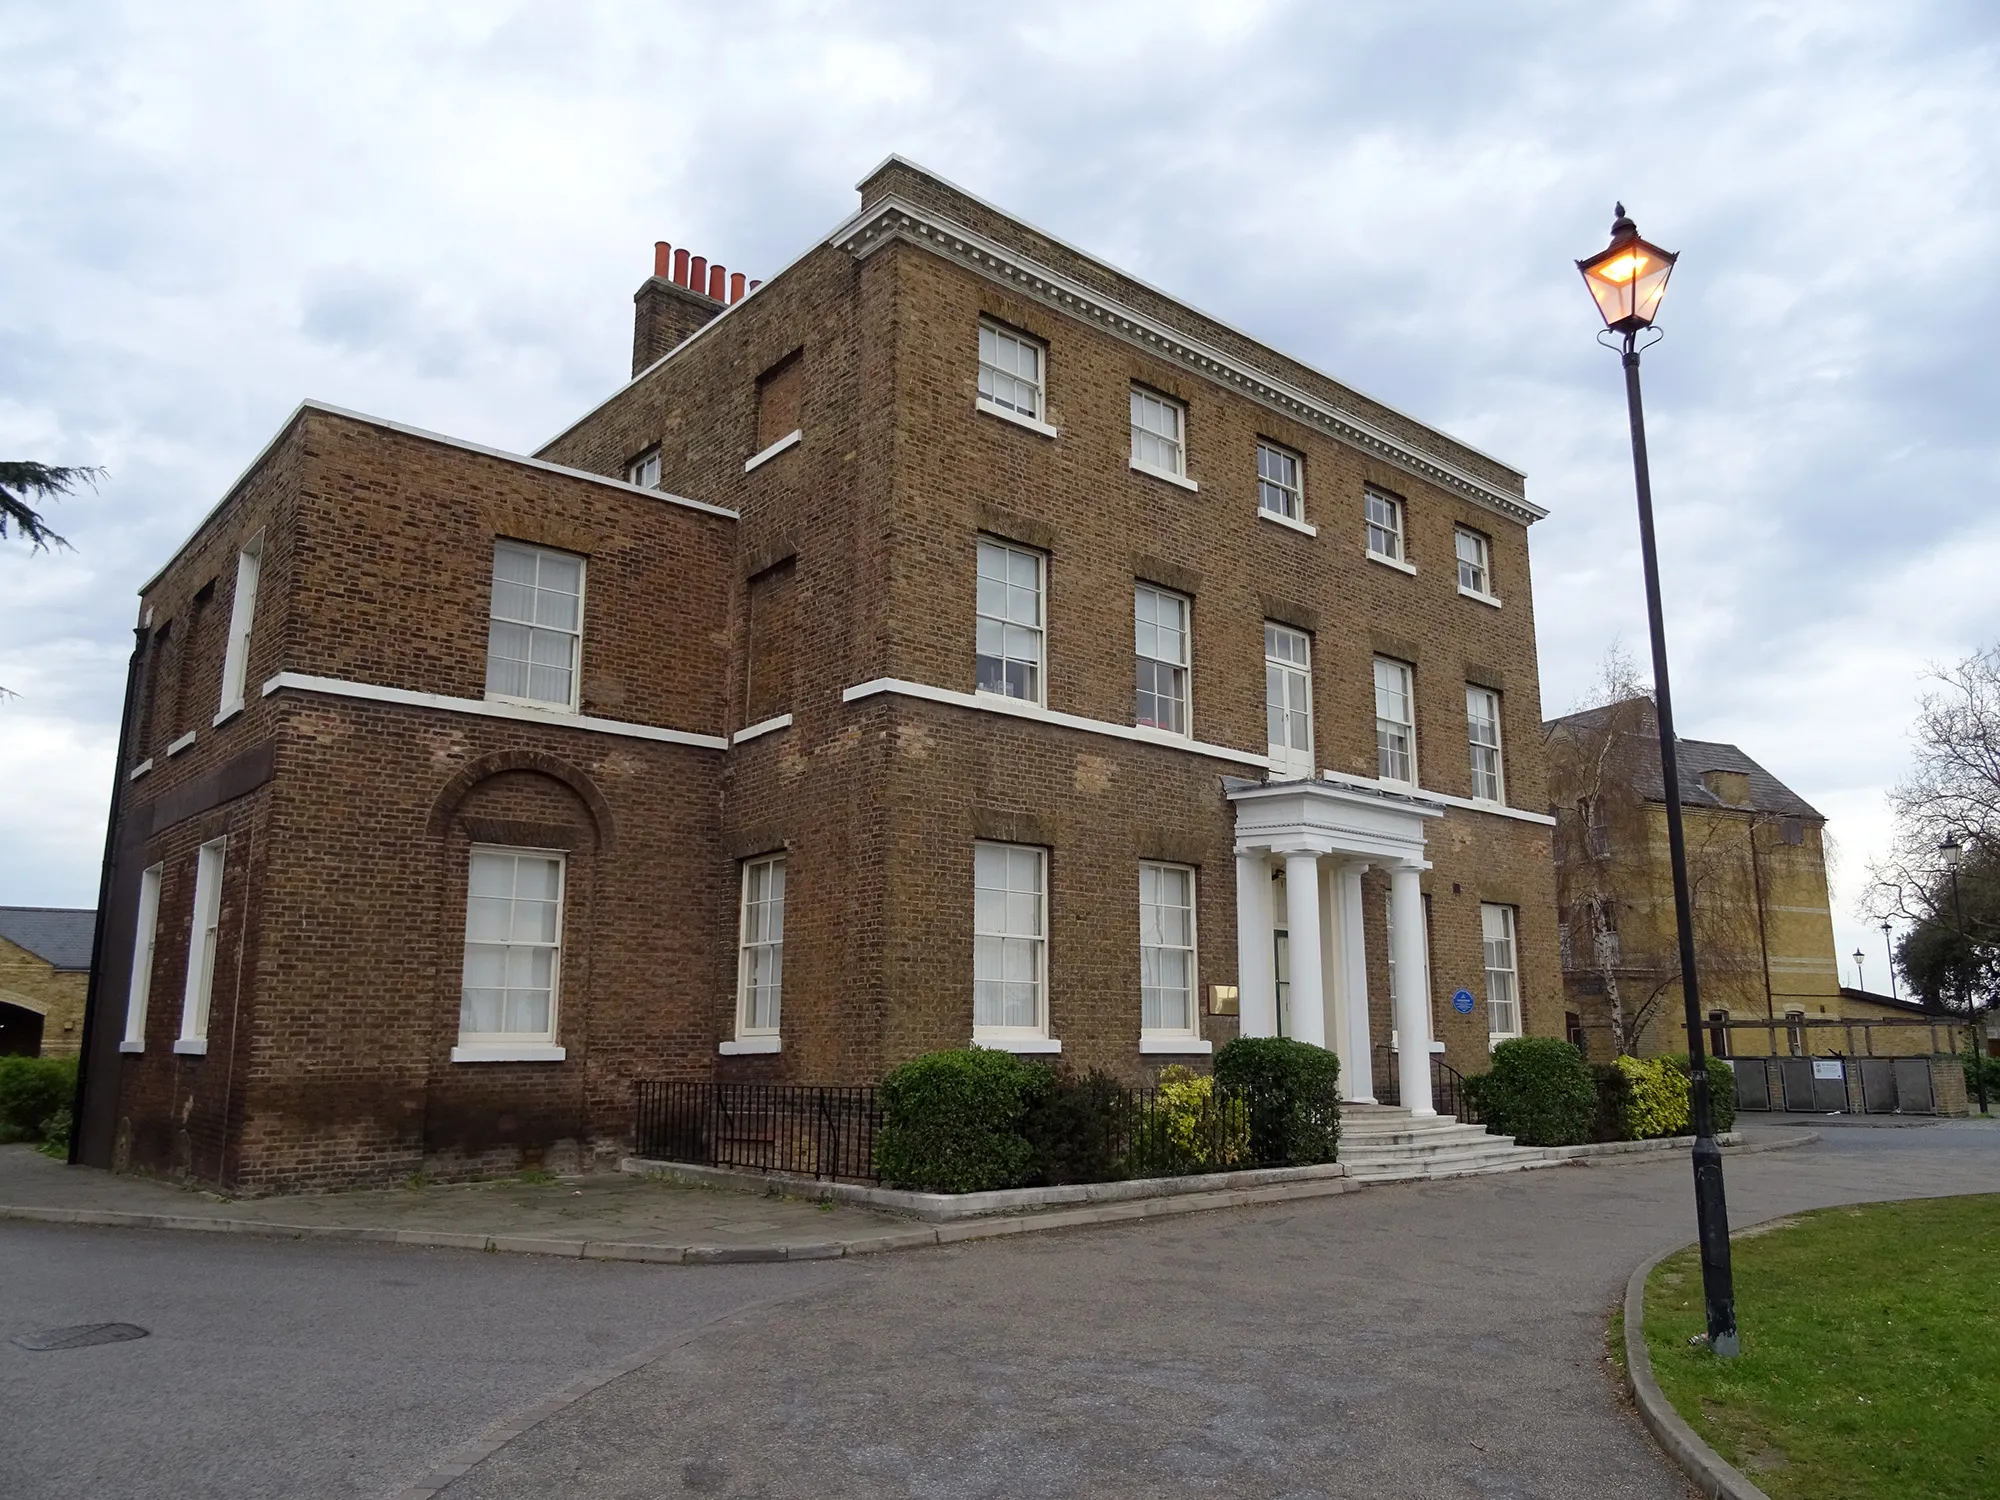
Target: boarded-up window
(780, 390)
(773, 632)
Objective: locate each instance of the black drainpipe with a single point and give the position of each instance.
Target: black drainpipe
(93, 997)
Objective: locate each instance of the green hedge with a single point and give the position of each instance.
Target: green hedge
(1974, 1065)
(1076, 1128)
(33, 1091)
(1721, 1091)
(954, 1122)
(1293, 1089)
(1539, 1091)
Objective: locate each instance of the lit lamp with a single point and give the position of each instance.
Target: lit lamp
(1627, 279)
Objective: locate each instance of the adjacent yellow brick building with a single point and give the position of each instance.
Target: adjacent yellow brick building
(1763, 915)
(44, 976)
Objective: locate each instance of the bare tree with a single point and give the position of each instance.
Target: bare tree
(1953, 789)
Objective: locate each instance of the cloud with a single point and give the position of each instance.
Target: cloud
(438, 212)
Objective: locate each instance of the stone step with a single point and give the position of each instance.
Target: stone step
(1418, 1156)
(1449, 1170)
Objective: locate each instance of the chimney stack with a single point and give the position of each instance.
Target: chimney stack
(682, 294)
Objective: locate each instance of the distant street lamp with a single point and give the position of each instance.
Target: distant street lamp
(1889, 952)
(1860, 979)
(1627, 279)
(1953, 852)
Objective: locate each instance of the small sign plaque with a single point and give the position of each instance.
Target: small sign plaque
(1827, 1067)
(1461, 1001)
(1222, 1000)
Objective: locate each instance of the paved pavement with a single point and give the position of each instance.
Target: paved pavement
(1422, 1340)
(604, 1206)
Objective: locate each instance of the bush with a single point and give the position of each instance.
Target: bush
(1077, 1129)
(1721, 1091)
(1539, 1091)
(1292, 1089)
(32, 1091)
(1614, 1103)
(1190, 1127)
(1658, 1104)
(953, 1121)
(1990, 1066)
(55, 1135)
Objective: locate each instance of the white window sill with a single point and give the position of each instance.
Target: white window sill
(1436, 1047)
(131, 1046)
(1180, 1046)
(757, 460)
(1021, 1044)
(140, 770)
(1392, 562)
(1171, 478)
(181, 744)
(762, 727)
(479, 1052)
(225, 713)
(1019, 419)
(1482, 598)
(192, 1046)
(1303, 527)
(1029, 704)
(1496, 1038)
(539, 705)
(489, 708)
(750, 1046)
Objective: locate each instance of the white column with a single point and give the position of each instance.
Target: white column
(1331, 967)
(1357, 1049)
(1256, 959)
(1302, 930)
(1413, 1000)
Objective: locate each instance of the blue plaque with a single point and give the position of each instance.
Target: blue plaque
(1461, 1001)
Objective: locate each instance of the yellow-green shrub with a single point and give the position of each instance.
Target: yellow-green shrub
(1188, 1129)
(1656, 1103)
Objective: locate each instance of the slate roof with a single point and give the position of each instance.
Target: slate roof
(59, 934)
(1767, 793)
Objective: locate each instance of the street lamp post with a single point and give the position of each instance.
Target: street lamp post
(1889, 953)
(1953, 852)
(1627, 280)
(1860, 979)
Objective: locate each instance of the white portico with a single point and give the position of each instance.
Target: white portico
(1321, 836)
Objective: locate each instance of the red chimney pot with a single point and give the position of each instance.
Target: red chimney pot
(662, 258)
(736, 287)
(698, 274)
(718, 281)
(680, 268)
(755, 284)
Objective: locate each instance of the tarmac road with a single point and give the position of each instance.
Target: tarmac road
(1424, 1340)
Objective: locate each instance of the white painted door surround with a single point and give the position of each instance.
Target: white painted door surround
(1323, 835)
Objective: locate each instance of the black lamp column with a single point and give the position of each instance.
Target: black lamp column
(1627, 279)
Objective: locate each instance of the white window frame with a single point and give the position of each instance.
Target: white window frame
(1191, 1032)
(1475, 574)
(1180, 673)
(1001, 389)
(145, 938)
(204, 936)
(1292, 497)
(568, 705)
(1035, 1037)
(242, 618)
(1397, 554)
(1287, 760)
(1510, 972)
(1384, 726)
(1482, 711)
(1040, 629)
(747, 1031)
(517, 1046)
(644, 471)
(1150, 434)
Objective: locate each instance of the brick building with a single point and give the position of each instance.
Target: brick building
(44, 978)
(950, 639)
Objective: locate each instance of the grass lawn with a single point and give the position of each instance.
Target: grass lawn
(1871, 1352)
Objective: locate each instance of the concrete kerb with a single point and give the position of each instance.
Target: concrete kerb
(1711, 1473)
(945, 1208)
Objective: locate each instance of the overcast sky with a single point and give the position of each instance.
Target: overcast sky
(438, 213)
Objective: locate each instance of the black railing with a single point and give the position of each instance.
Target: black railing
(1448, 1093)
(1102, 1135)
(806, 1130)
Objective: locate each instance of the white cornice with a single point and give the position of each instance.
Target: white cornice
(897, 219)
(340, 687)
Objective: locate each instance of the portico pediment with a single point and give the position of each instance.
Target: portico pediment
(1325, 817)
